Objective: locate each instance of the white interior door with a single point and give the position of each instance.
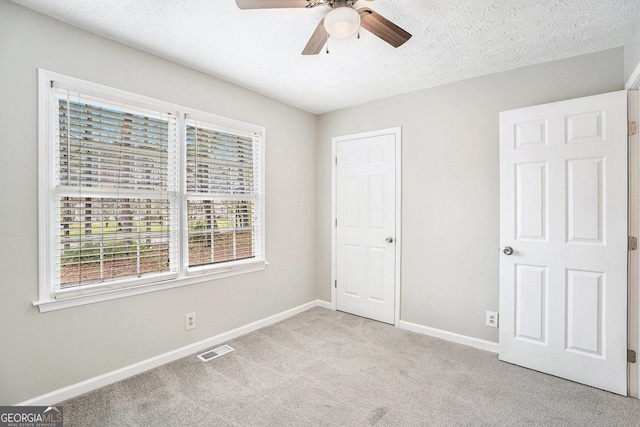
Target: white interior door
(366, 226)
(563, 212)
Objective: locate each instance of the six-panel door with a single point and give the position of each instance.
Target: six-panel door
(365, 235)
(563, 210)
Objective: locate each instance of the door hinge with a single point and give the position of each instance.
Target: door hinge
(335, 283)
(631, 356)
(336, 160)
(336, 222)
(633, 128)
(633, 243)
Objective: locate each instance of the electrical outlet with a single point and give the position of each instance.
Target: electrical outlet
(189, 321)
(492, 319)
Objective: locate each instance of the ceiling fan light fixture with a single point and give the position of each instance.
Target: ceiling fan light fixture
(342, 22)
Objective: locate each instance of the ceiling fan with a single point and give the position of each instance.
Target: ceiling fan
(342, 21)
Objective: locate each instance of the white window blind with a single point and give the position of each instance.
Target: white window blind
(223, 195)
(115, 181)
(136, 195)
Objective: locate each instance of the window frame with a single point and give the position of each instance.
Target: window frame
(194, 115)
(54, 299)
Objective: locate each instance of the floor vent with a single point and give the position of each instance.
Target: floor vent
(216, 352)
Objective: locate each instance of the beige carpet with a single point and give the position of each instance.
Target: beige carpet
(325, 368)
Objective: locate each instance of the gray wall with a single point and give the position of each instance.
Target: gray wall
(40, 353)
(450, 180)
(632, 50)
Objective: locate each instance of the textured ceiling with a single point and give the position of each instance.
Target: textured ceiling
(260, 49)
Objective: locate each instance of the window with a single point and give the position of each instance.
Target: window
(138, 195)
(222, 201)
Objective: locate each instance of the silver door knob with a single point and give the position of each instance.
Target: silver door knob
(508, 250)
(389, 240)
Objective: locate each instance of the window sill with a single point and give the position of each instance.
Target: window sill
(62, 303)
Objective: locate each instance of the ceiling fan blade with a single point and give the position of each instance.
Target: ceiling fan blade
(382, 27)
(270, 4)
(317, 41)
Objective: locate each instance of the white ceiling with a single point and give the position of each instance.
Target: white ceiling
(260, 49)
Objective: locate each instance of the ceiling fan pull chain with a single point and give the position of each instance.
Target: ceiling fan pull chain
(358, 34)
(328, 38)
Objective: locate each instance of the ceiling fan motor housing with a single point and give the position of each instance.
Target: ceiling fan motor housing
(341, 3)
(331, 3)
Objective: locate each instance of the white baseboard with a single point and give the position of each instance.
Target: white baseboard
(325, 304)
(449, 336)
(91, 384)
(86, 386)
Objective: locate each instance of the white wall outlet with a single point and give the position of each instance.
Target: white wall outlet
(492, 319)
(189, 321)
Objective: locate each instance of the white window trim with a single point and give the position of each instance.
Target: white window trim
(50, 299)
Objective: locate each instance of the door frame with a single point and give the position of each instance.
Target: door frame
(397, 132)
(633, 268)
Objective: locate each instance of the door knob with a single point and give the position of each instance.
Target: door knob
(508, 250)
(389, 240)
